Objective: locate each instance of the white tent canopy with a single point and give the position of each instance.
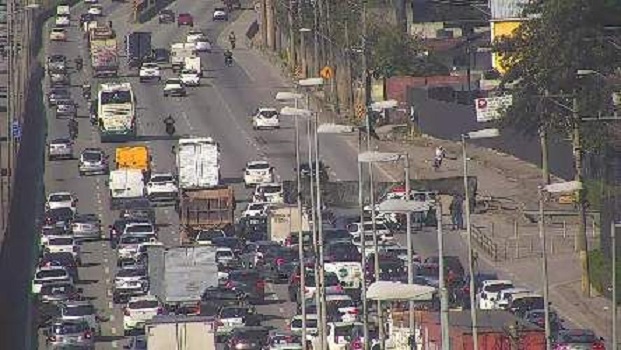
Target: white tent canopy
(402, 206)
(385, 290)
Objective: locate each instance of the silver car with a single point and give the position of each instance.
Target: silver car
(86, 227)
(60, 149)
(62, 334)
(66, 109)
(81, 310)
(93, 161)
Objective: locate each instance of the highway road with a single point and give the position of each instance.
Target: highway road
(219, 108)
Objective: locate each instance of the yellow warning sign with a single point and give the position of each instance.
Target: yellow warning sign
(326, 72)
(360, 110)
(298, 72)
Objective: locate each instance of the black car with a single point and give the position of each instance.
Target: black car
(250, 282)
(59, 217)
(57, 64)
(57, 94)
(64, 259)
(234, 243)
(66, 108)
(59, 292)
(252, 229)
(341, 251)
(214, 298)
(166, 16)
(87, 17)
(59, 80)
(160, 55)
(307, 172)
(248, 338)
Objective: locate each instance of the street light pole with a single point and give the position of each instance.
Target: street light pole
(408, 233)
(544, 271)
(613, 239)
(300, 230)
(472, 287)
(363, 288)
(444, 308)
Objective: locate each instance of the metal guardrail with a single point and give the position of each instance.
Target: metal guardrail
(487, 245)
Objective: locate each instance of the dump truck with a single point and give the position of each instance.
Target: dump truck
(198, 333)
(205, 209)
(179, 275)
(285, 220)
(116, 112)
(127, 181)
(104, 52)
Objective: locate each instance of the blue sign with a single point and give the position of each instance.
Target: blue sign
(16, 130)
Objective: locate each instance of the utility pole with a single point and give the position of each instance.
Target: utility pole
(613, 241)
(316, 64)
(444, 307)
(264, 22)
(545, 168)
(581, 237)
(401, 15)
(331, 59)
(350, 79)
(365, 61)
(271, 28)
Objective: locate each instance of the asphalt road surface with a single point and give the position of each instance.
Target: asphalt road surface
(219, 108)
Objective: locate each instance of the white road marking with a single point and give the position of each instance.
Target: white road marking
(114, 344)
(107, 281)
(113, 330)
(105, 260)
(281, 310)
(112, 318)
(109, 293)
(107, 270)
(110, 305)
(184, 115)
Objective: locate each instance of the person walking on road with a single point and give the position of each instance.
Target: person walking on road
(439, 156)
(457, 212)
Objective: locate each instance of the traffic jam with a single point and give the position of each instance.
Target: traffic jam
(345, 274)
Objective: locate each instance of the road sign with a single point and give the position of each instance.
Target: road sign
(360, 110)
(298, 71)
(326, 72)
(16, 129)
(490, 108)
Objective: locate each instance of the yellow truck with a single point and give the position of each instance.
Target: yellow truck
(133, 157)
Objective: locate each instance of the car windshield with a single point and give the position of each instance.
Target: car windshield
(139, 229)
(68, 328)
(258, 166)
(56, 289)
(91, 156)
(341, 303)
(428, 271)
(495, 288)
(142, 304)
(79, 310)
(188, 71)
(162, 178)
(209, 235)
(344, 330)
(60, 198)
(233, 312)
(255, 207)
(55, 273)
(131, 273)
(310, 323)
(224, 254)
(271, 189)
(173, 82)
(61, 241)
(133, 239)
(220, 9)
(115, 97)
(268, 114)
(578, 337)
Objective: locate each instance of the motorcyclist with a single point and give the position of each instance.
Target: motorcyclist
(232, 39)
(228, 57)
(86, 91)
(78, 63)
(73, 128)
(170, 125)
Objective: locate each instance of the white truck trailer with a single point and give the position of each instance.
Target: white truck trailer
(181, 333)
(285, 220)
(198, 163)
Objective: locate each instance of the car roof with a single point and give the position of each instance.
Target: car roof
(60, 140)
(143, 297)
(267, 109)
(59, 194)
(308, 317)
(161, 174)
(76, 303)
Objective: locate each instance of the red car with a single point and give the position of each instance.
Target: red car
(185, 19)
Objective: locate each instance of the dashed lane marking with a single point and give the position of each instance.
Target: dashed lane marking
(281, 310)
(109, 293)
(107, 280)
(114, 344)
(113, 330)
(105, 260)
(186, 119)
(110, 305)
(107, 270)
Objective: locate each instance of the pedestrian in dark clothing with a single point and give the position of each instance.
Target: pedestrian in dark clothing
(457, 212)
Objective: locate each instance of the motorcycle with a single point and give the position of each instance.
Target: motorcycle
(73, 132)
(232, 44)
(228, 61)
(170, 129)
(78, 64)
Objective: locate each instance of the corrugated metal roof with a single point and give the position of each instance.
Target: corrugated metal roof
(507, 9)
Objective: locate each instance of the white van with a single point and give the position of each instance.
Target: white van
(505, 296)
(489, 293)
(63, 10)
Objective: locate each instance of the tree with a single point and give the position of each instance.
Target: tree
(544, 58)
(394, 52)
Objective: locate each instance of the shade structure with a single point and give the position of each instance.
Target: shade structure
(295, 112)
(378, 157)
(288, 96)
(402, 206)
(388, 291)
(381, 105)
(330, 128)
(310, 82)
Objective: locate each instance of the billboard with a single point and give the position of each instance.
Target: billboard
(490, 108)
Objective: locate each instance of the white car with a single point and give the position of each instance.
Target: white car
(49, 274)
(224, 255)
(150, 71)
(266, 118)
(190, 77)
(129, 245)
(95, 10)
(138, 311)
(382, 230)
(139, 228)
(231, 317)
(256, 209)
(269, 192)
(174, 87)
(258, 172)
(162, 186)
(220, 14)
(490, 292)
(202, 44)
(58, 34)
(134, 280)
(63, 244)
(61, 200)
(62, 21)
(193, 35)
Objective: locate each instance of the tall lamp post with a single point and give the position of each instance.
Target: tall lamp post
(561, 187)
(371, 157)
(479, 134)
(296, 113)
(613, 241)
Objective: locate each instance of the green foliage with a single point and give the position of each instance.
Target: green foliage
(394, 52)
(600, 269)
(543, 58)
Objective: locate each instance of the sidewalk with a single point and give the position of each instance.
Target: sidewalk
(509, 187)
